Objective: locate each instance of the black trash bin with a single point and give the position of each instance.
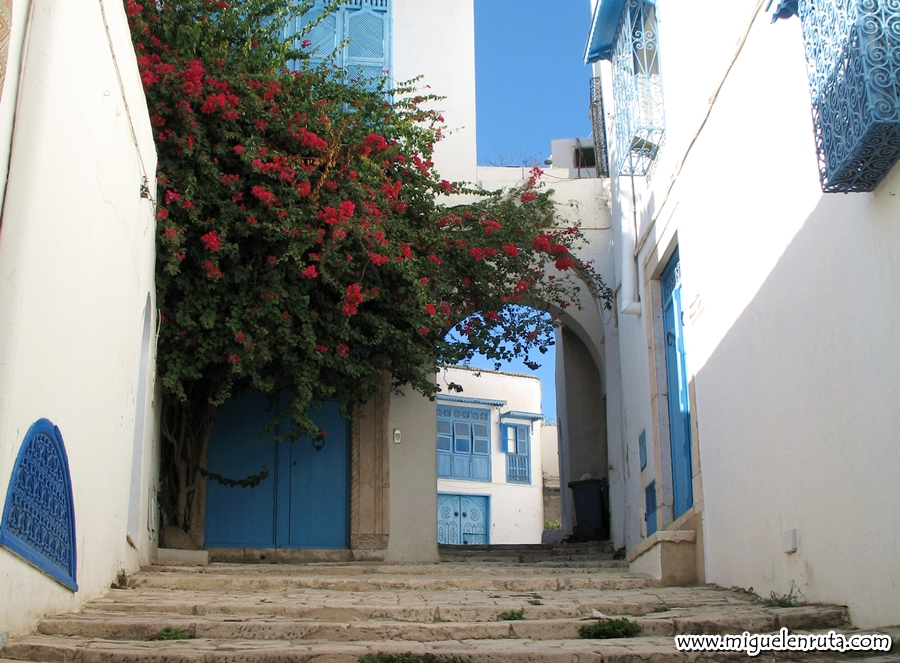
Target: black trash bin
(591, 509)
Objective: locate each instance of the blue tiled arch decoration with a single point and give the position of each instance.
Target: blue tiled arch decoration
(39, 517)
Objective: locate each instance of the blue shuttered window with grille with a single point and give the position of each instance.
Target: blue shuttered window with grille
(637, 89)
(463, 443)
(517, 446)
(356, 37)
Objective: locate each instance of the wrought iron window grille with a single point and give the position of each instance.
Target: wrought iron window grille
(598, 126)
(38, 521)
(637, 90)
(853, 61)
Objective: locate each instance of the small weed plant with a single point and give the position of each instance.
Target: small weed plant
(610, 628)
(553, 524)
(511, 615)
(121, 580)
(792, 599)
(169, 633)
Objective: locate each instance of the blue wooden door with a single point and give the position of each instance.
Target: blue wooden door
(318, 486)
(463, 520)
(677, 382)
(302, 503)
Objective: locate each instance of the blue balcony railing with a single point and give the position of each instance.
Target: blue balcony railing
(853, 60)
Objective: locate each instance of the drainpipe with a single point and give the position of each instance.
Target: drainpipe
(628, 302)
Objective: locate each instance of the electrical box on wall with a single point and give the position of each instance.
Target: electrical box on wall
(789, 541)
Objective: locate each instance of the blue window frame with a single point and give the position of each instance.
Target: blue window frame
(463, 443)
(365, 26)
(517, 446)
(637, 89)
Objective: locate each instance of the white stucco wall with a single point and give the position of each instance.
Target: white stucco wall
(76, 270)
(436, 40)
(792, 310)
(516, 510)
(413, 473)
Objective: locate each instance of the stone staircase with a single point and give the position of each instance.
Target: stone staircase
(460, 608)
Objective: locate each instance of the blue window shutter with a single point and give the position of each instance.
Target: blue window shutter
(324, 37)
(367, 53)
(650, 507)
(507, 438)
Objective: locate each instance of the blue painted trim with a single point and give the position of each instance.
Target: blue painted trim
(604, 25)
(65, 575)
(528, 416)
(466, 399)
(784, 9)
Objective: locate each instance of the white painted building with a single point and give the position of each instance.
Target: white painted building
(751, 365)
(77, 314)
(489, 458)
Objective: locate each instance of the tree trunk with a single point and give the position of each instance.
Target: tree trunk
(186, 426)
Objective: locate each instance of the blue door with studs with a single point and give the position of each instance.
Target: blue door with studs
(463, 520)
(303, 499)
(677, 382)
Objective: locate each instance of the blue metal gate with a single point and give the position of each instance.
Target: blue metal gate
(677, 381)
(463, 520)
(302, 503)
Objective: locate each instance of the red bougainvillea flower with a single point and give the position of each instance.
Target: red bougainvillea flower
(212, 270)
(234, 359)
(171, 234)
(265, 196)
(303, 189)
(342, 351)
(309, 272)
(172, 196)
(429, 309)
(541, 243)
(424, 331)
(212, 240)
(528, 195)
(321, 348)
(352, 298)
(511, 250)
(564, 263)
(240, 337)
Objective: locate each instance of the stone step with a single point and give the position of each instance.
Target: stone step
(503, 581)
(208, 650)
(337, 628)
(472, 566)
(462, 605)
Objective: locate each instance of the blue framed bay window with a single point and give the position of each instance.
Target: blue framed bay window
(516, 441)
(366, 27)
(463, 443)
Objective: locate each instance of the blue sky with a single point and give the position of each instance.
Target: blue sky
(531, 87)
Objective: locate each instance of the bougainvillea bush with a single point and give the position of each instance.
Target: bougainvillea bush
(304, 247)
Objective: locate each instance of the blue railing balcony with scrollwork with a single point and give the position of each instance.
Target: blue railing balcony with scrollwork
(853, 61)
